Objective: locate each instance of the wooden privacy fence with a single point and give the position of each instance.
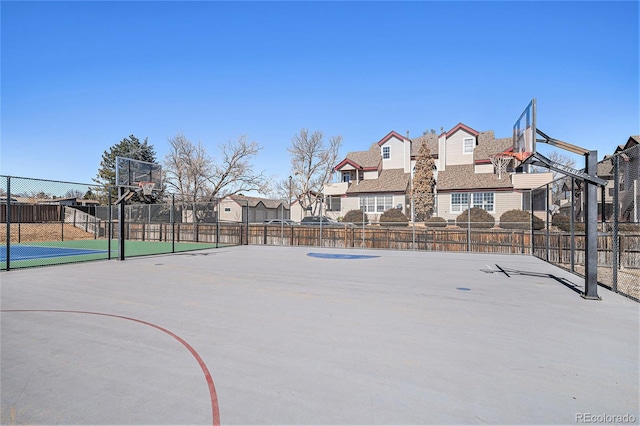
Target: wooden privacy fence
(559, 249)
(32, 213)
(396, 238)
(223, 233)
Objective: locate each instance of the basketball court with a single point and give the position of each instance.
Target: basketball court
(306, 335)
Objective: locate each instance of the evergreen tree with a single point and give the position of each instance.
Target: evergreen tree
(423, 185)
(130, 147)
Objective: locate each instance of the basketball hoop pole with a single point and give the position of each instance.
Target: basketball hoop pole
(526, 130)
(591, 181)
(591, 237)
(121, 227)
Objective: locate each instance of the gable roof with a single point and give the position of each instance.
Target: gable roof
(349, 162)
(464, 177)
(393, 180)
(368, 160)
(391, 134)
(254, 201)
(460, 126)
(632, 141)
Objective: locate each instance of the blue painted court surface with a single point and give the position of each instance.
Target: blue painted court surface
(23, 252)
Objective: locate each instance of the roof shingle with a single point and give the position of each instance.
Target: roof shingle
(464, 177)
(394, 180)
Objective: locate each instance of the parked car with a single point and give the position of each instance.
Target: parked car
(316, 220)
(287, 222)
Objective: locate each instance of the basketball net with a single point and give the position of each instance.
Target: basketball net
(147, 188)
(500, 162)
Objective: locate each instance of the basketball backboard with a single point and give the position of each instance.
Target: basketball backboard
(131, 173)
(524, 130)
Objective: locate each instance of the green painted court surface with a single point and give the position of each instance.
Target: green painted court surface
(60, 252)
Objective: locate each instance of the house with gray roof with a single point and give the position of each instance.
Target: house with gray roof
(379, 178)
(240, 208)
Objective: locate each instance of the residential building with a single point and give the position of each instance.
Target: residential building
(381, 177)
(627, 156)
(629, 175)
(235, 208)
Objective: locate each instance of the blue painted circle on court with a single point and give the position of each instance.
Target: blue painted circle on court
(463, 289)
(340, 256)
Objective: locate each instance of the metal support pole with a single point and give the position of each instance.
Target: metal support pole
(413, 223)
(321, 220)
(469, 221)
(172, 218)
(8, 252)
(572, 229)
(603, 207)
(121, 224)
(363, 227)
(533, 235)
(591, 229)
(546, 205)
(217, 210)
(247, 224)
(109, 221)
(614, 231)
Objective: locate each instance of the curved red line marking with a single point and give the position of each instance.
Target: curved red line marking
(212, 390)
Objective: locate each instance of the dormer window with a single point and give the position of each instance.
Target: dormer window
(386, 152)
(467, 145)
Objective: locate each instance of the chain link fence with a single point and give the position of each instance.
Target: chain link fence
(50, 222)
(562, 240)
(43, 225)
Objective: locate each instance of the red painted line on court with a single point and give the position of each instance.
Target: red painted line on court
(215, 411)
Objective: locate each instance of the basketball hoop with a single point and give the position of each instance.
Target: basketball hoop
(147, 188)
(500, 162)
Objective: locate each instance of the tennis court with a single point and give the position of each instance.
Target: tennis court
(29, 252)
(307, 335)
(58, 252)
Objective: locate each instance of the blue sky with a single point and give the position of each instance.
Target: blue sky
(78, 77)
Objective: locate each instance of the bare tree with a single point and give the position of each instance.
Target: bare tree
(312, 163)
(560, 158)
(234, 173)
(74, 193)
(187, 169)
(194, 175)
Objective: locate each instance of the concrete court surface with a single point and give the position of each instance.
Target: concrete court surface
(271, 335)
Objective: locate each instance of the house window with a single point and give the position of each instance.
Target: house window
(346, 176)
(333, 203)
(539, 200)
(459, 202)
(386, 152)
(227, 209)
(484, 200)
(467, 145)
(376, 203)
